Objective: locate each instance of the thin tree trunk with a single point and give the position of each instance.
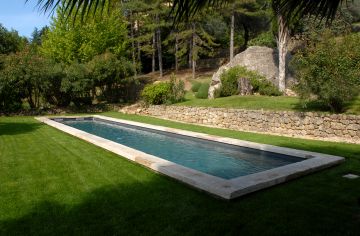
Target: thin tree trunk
(190, 50)
(30, 98)
(193, 52)
(132, 42)
(176, 52)
(138, 51)
(159, 46)
(282, 41)
(232, 27)
(153, 61)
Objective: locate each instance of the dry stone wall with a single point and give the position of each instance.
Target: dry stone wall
(321, 126)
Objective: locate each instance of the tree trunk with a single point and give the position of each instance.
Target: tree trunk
(132, 42)
(176, 52)
(138, 51)
(193, 56)
(30, 98)
(282, 41)
(190, 53)
(158, 31)
(232, 26)
(153, 61)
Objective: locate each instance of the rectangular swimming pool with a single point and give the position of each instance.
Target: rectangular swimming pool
(214, 158)
(225, 167)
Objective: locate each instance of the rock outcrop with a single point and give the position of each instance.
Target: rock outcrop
(264, 60)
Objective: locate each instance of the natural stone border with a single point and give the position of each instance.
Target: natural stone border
(227, 189)
(310, 125)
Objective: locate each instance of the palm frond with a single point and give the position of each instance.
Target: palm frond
(325, 9)
(290, 9)
(185, 9)
(82, 7)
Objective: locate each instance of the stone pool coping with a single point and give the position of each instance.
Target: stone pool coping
(227, 189)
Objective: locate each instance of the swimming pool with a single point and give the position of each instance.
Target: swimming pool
(214, 158)
(225, 167)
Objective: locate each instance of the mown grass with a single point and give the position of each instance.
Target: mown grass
(55, 184)
(282, 103)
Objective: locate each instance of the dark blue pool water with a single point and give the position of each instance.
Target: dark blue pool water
(222, 160)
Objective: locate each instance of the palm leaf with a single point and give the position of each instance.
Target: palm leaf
(82, 7)
(183, 9)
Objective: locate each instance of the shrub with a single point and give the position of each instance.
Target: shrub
(195, 86)
(266, 39)
(203, 91)
(156, 93)
(264, 87)
(229, 85)
(328, 72)
(261, 85)
(177, 92)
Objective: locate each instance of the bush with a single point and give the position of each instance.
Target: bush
(261, 85)
(266, 39)
(195, 86)
(156, 93)
(328, 72)
(229, 85)
(177, 93)
(203, 91)
(164, 92)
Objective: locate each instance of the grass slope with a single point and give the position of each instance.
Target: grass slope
(282, 103)
(54, 184)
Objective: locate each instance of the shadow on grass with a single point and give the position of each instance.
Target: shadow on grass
(15, 128)
(147, 209)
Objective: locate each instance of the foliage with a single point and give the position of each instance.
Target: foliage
(164, 92)
(261, 85)
(80, 41)
(265, 39)
(312, 29)
(77, 84)
(177, 87)
(10, 41)
(25, 76)
(157, 93)
(109, 75)
(195, 86)
(328, 72)
(229, 84)
(203, 91)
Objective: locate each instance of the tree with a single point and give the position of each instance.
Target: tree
(25, 76)
(287, 12)
(250, 15)
(81, 40)
(10, 41)
(187, 8)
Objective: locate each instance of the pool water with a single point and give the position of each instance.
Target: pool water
(218, 159)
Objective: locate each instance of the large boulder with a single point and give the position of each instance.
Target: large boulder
(263, 60)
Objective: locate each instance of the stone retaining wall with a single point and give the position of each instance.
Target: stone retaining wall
(294, 124)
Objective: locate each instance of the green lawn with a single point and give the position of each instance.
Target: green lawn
(55, 184)
(261, 102)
